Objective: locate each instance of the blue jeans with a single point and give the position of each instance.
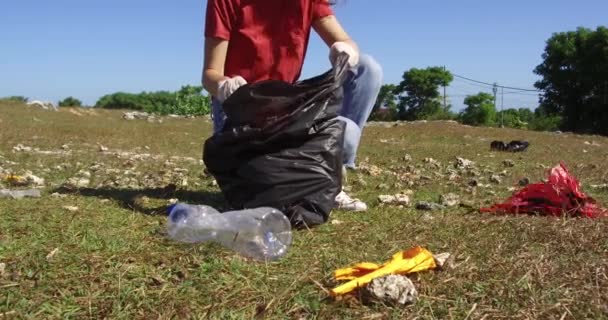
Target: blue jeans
(361, 89)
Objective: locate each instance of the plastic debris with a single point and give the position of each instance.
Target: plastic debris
(429, 206)
(404, 262)
(19, 194)
(560, 195)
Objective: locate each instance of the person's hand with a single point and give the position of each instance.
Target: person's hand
(339, 47)
(228, 86)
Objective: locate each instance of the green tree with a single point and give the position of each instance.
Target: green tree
(386, 104)
(480, 110)
(70, 102)
(419, 92)
(19, 99)
(574, 75)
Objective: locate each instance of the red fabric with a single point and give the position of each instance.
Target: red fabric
(561, 195)
(267, 38)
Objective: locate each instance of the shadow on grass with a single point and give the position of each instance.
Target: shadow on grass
(134, 199)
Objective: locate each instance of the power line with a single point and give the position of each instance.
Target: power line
(492, 84)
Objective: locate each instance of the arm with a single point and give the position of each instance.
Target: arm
(330, 30)
(213, 69)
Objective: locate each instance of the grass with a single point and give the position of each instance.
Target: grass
(114, 259)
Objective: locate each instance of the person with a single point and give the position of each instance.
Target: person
(253, 40)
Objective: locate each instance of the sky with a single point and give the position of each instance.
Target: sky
(53, 49)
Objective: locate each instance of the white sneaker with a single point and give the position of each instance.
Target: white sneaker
(345, 202)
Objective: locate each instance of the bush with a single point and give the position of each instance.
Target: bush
(70, 102)
(187, 101)
(18, 99)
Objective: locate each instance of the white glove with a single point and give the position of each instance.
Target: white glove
(228, 86)
(339, 47)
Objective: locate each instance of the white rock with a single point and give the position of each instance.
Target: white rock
(393, 289)
(449, 199)
(462, 163)
(398, 199)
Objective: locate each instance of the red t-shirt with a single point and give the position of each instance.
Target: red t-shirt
(267, 38)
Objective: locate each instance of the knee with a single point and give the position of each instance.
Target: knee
(370, 68)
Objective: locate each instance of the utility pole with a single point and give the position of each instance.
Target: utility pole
(495, 90)
(502, 104)
(445, 103)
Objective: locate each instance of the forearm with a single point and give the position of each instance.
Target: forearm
(211, 80)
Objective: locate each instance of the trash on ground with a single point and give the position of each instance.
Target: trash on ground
(416, 259)
(560, 195)
(71, 208)
(261, 233)
(2, 268)
(19, 194)
(429, 206)
(513, 146)
(392, 290)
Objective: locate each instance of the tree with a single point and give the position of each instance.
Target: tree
(419, 92)
(480, 110)
(18, 99)
(386, 103)
(70, 102)
(574, 75)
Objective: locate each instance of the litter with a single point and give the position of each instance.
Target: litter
(513, 146)
(404, 262)
(19, 194)
(560, 195)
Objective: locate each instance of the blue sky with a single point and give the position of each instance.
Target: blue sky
(53, 49)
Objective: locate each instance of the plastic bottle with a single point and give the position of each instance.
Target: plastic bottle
(260, 233)
(19, 194)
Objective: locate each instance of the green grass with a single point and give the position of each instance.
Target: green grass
(114, 259)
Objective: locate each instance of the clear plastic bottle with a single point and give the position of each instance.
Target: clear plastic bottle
(260, 233)
(19, 194)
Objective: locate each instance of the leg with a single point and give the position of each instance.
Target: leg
(361, 89)
(217, 115)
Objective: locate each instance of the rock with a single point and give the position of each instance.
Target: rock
(462, 163)
(398, 199)
(79, 182)
(383, 186)
(434, 163)
(599, 186)
(524, 182)
(2, 269)
(102, 148)
(392, 290)
(509, 163)
(429, 206)
(371, 170)
(34, 180)
(407, 157)
(449, 199)
(136, 115)
(495, 179)
(22, 148)
(58, 195)
(442, 259)
(336, 222)
(71, 208)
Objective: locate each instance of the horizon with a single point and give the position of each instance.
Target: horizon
(154, 45)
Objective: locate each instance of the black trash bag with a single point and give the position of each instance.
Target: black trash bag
(282, 146)
(513, 146)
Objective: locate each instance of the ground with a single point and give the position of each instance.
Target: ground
(101, 251)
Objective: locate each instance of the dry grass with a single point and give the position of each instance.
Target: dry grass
(114, 260)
